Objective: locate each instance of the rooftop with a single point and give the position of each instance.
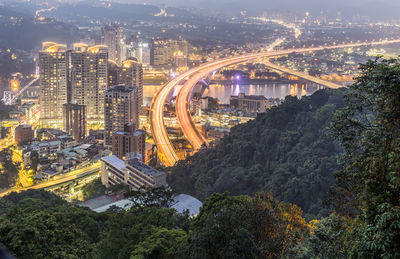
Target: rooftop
(115, 161)
(150, 171)
(252, 97)
(137, 133)
(121, 88)
(181, 203)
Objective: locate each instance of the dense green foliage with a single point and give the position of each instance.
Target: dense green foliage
(368, 127)
(37, 224)
(285, 151)
(93, 189)
(8, 170)
(331, 238)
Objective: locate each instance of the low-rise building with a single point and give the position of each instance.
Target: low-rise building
(23, 134)
(134, 173)
(46, 149)
(250, 103)
(129, 141)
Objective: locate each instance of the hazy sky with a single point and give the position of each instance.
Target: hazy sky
(364, 6)
(271, 3)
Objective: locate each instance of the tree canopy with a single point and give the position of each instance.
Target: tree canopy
(286, 151)
(38, 224)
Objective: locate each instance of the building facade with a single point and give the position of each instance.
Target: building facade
(163, 50)
(129, 142)
(74, 121)
(89, 79)
(23, 134)
(250, 103)
(112, 36)
(120, 108)
(132, 74)
(134, 173)
(54, 86)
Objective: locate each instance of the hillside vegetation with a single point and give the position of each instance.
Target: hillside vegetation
(286, 151)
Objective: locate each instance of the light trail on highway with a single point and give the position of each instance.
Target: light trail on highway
(69, 177)
(166, 151)
(22, 90)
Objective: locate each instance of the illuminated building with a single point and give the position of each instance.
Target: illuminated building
(132, 74)
(250, 103)
(88, 79)
(7, 97)
(23, 134)
(142, 53)
(120, 108)
(14, 83)
(74, 123)
(114, 71)
(113, 36)
(53, 65)
(132, 172)
(180, 60)
(129, 142)
(162, 51)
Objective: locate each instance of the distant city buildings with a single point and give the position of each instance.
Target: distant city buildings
(120, 108)
(250, 103)
(7, 97)
(163, 51)
(129, 142)
(180, 60)
(74, 121)
(143, 53)
(113, 37)
(134, 173)
(54, 68)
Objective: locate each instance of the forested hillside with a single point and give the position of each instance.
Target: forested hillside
(37, 224)
(286, 151)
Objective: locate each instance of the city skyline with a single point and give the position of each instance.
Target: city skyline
(199, 129)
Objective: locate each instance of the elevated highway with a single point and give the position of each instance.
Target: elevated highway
(166, 151)
(75, 175)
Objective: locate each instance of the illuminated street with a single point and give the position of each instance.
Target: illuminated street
(76, 174)
(165, 148)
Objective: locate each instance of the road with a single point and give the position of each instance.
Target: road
(22, 90)
(165, 148)
(196, 139)
(66, 178)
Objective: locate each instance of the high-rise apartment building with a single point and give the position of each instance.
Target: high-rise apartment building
(129, 142)
(113, 37)
(142, 53)
(74, 120)
(163, 50)
(114, 71)
(54, 88)
(132, 74)
(89, 79)
(120, 108)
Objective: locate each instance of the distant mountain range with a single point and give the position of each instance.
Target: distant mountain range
(379, 9)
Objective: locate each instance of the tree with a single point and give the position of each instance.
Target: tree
(368, 127)
(286, 151)
(331, 237)
(245, 227)
(162, 243)
(156, 197)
